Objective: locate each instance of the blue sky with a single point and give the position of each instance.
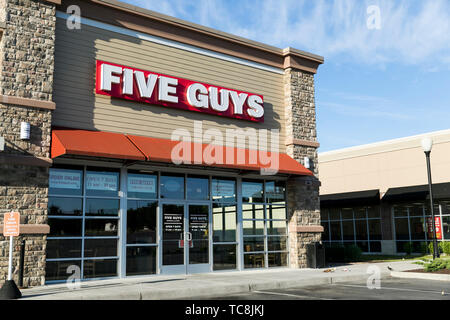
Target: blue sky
(376, 84)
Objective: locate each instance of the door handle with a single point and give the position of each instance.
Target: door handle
(189, 236)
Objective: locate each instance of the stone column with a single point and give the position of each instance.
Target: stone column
(26, 85)
(301, 141)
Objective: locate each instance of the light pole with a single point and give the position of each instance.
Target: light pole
(427, 144)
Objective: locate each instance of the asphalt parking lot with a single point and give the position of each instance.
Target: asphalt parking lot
(391, 289)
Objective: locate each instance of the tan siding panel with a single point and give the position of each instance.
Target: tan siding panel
(78, 106)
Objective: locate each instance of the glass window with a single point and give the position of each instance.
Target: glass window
(375, 246)
(445, 207)
(347, 228)
(252, 191)
(100, 248)
(224, 256)
(141, 222)
(252, 211)
(276, 228)
(361, 229)
(276, 212)
(63, 248)
(417, 226)
(100, 268)
(197, 188)
(335, 230)
(360, 213)
(374, 230)
(102, 207)
(172, 186)
(142, 186)
(65, 227)
(401, 229)
(374, 212)
(58, 270)
(277, 259)
(65, 182)
(254, 261)
(275, 191)
(65, 206)
(400, 211)
(335, 214)
(416, 210)
(253, 227)
(101, 227)
(102, 183)
(253, 244)
(446, 227)
(347, 213)
(277, 243)
(224, 223)
(326, 232)
(223, 189)
(324, 214)
(141, 260)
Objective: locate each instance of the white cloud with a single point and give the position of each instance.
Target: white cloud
(412, 31)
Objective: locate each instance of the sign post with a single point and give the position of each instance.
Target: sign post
(11, 229)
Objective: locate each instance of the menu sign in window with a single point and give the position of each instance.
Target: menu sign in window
(141, 184)
(103, 182)
(65, 179)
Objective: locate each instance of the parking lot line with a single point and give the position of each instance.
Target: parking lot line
(289, 295)
(388, 288)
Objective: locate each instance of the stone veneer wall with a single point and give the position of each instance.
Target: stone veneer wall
(26, 66)
(303, 192)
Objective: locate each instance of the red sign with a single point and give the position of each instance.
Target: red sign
(153, 88)
(11, 224)
(437, 222)
(181, 244)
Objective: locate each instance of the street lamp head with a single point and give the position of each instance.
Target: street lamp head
(427, 144)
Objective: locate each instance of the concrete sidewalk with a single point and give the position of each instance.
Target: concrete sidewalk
(160, 287)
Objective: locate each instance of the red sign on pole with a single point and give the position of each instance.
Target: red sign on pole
(437, 222)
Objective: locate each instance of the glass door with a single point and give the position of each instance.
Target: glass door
(173, 239)
(185, 238)
(198, 245)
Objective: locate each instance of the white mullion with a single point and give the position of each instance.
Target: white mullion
(122, 242)
(83, 223)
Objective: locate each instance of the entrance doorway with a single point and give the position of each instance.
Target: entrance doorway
(185, 238)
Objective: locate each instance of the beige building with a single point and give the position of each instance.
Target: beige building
(376, 195)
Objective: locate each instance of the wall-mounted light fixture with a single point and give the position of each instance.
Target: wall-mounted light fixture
(24, 130)
(2, 144)
(307, 163)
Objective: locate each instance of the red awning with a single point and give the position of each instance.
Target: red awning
(121, 146)
(94, 144)
(160, 150)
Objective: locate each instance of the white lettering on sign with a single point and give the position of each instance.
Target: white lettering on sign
(11, 224)
(141, 184)
(64, 179)
(121, 82)
(95, 181)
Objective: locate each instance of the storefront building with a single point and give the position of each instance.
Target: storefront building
(376, 196)
(156, 146)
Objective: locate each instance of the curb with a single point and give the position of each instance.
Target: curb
(421, 276)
